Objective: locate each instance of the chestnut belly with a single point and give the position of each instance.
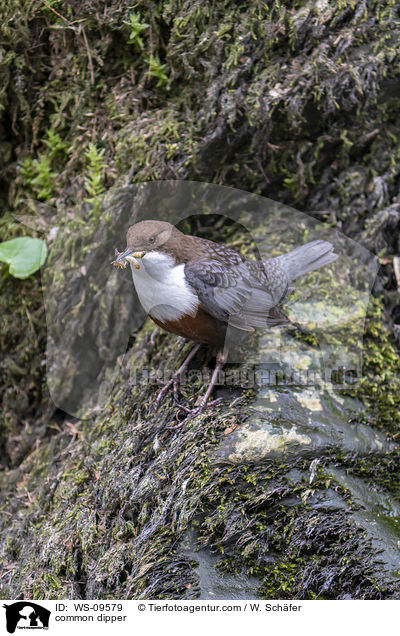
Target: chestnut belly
(200, 328)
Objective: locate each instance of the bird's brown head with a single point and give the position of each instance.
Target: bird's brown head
(148, 236)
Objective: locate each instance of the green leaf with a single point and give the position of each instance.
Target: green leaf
(25, 255)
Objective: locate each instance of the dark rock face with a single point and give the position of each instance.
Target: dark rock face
(292, 490)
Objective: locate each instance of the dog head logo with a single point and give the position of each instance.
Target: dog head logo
(26, 615)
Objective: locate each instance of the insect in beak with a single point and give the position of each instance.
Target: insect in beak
(122, 258)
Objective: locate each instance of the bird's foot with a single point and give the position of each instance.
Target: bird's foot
(174, 381)
(204, 402)
(200, 407)
(192, 412)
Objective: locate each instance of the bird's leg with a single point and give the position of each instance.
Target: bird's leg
(174, 380)
(221, 359)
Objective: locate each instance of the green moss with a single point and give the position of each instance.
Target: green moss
(136, 28)
(379, 386)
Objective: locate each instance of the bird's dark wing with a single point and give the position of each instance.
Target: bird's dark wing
(233, 289)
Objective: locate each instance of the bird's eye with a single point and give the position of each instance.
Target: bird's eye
(152, 239)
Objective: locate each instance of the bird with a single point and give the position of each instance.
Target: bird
(196, 288)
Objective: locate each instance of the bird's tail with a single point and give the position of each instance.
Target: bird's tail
(306, 258)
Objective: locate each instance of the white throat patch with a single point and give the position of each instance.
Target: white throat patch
(162, 289)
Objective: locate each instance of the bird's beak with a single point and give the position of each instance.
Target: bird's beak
(128, 255)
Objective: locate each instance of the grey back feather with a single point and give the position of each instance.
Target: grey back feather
(246, 293)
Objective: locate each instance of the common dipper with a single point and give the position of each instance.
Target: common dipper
(195, 288)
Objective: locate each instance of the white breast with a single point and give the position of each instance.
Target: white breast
(162, 289)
